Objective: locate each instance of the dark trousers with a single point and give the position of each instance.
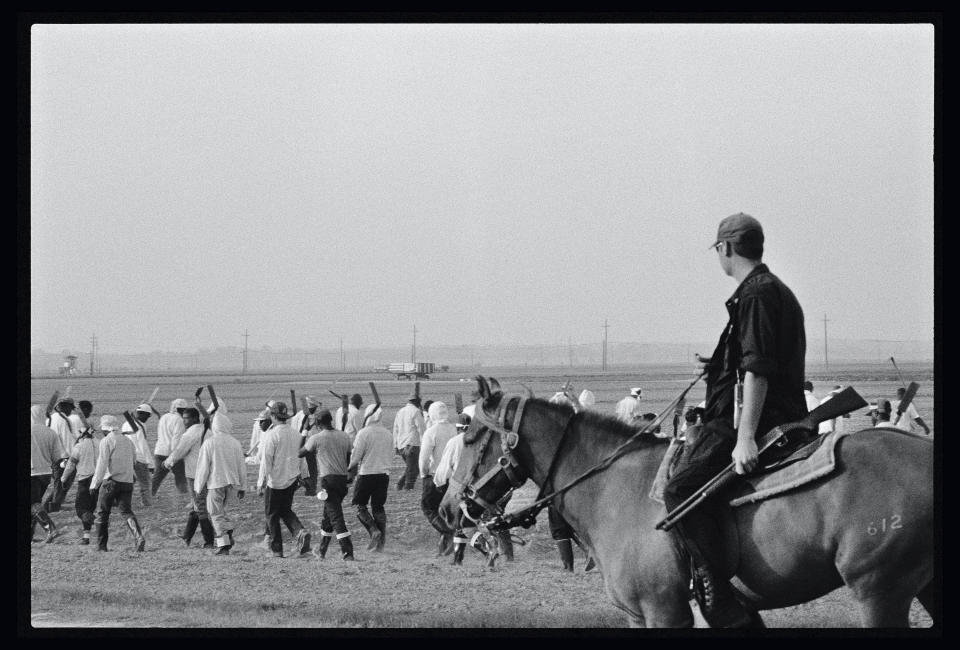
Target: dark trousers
(86, 502)
(700, 530)
(372, 489)
(279, 507)
(430, 500)
(55, 493)
(38, 488)
(160, 472)
(411, 457)
(112, 493)
(310, 483)
(559, 528)
(336, 487)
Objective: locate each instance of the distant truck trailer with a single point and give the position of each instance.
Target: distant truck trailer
(407, 370)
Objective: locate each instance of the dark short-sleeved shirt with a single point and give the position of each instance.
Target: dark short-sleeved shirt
(332, 448)
(765, 335)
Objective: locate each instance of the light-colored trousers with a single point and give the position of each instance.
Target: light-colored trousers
(216, 506)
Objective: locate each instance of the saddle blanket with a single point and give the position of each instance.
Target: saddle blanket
(806, 464)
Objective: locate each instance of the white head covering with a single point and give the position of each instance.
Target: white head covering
(587, 399)
(438, 412)
(38, 414)
(145, 408)
(312, 401)
(109, 423)
(263, 415)
(178, 403)
(636, 391)
(372, 417)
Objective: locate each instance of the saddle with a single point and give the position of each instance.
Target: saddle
(801, 460)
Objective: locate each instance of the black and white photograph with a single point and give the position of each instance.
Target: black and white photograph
(408, 324)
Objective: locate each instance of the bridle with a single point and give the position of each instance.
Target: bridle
(507, 473)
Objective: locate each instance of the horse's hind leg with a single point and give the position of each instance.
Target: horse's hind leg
(927, 598)
(885, 610)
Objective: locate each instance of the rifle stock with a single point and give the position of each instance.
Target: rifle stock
(306, 415)
(908, 397)
(345, 405)
(213, 398)
(293, 400)
(131, 421)
(458, 402)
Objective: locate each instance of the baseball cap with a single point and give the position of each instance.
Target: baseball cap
(179, 403)
(144, 408)
(312, 401)
(636, 391)
(735, 227)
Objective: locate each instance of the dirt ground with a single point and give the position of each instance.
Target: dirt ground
(405, 586)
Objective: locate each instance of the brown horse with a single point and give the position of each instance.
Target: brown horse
(868, 526)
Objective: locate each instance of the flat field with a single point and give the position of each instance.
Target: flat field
(406, 586)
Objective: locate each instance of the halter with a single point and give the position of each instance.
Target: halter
(507, 463)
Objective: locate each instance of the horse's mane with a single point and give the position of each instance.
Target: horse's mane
(608, 423)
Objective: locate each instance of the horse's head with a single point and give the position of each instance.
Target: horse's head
(487, 469)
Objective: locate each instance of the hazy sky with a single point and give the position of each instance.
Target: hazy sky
(488, 183)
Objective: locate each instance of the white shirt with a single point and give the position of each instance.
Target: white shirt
(407, 427)
(169, 430)
(220, 463)
(188, 449)
(64, 430)
(372, 453)
(253, 451)
(352, 422)
(449, 460)
(279, 464)
(297, 419)
(886, 424)
(84, 454)
(114, 460)
(139, 440)
(628, 409)
(433, 444)
(906, 421)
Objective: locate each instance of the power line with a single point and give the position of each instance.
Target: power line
(246, 337)
(826, 359)
(606, 327)
(413, 351)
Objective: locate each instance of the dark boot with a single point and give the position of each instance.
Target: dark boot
(188, 531)
(565, 548)
(368, 522)
(506, 545)
(103, 534)
(718, 602)
(346, 548)
(138, 537)
(324, 544)
(225, 549)
(47, 523)
(303, 542)
(445, 546)
(206, 529)
(459, 548)
(381, 520)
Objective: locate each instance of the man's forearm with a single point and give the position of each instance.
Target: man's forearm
(754, 395)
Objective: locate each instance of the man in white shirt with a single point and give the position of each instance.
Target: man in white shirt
(113, 478)
(408, 427)
(443, 471)
(370, 463)
(143, 466)
(628, 409)
(279, 478)
(222, 472)
(61, 424)
(303, 423)
(45, 454)
(906, 419)
(169, 431)
(354, 416)
(834, 424)
(188, 450)
(83, 462)
(432, 445)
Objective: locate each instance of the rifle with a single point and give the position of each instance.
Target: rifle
(843, 402)
(907, 398)
(345, 405)
(458, 402)
(149, 402)
(376, 400)
(306, 416)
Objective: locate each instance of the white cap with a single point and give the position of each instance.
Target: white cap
(109, 423)
(145, 408)
(636, 391)
(179, 403)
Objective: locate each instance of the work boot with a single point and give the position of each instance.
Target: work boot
(47, 523)
(103, 534)
(459, 547)
(371, 525)
(85, 540)
(324, 544)
(303, 542)
(139, 540)
(193, 520)
(506, 545)
(718, 602)
(346, 547)
(206, 529)
(565, 548)
(381, 520)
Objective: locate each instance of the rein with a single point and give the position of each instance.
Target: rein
(527, 516)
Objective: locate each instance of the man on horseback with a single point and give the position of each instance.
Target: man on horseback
(761, 349)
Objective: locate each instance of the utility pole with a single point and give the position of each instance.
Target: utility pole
(93, 352)
(826, 358)
(570, 350)
(413, 351)
(606, 327)
(246, 337)
(342, 361)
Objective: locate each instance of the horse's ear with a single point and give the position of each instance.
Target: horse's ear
(483, 387)
(526, 390)
(494, 386)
